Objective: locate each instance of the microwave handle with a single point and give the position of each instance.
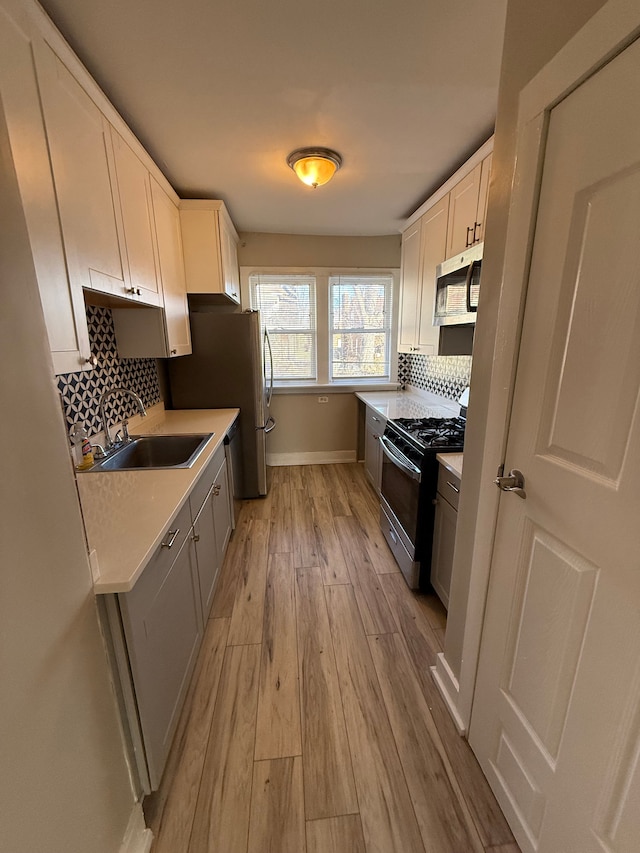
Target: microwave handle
(470, 308)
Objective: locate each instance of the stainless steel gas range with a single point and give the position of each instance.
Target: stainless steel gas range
(409, 480)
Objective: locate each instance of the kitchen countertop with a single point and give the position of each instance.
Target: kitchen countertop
(452, 462)
(409, 404)
(128, 513)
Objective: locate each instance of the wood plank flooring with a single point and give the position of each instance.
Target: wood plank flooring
(313, 724)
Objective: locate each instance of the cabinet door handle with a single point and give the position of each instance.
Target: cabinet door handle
(373, 418)
(216, 490)
(475, 227)
(453, 486)
(195, 537)
(171, 538)
(470, 231)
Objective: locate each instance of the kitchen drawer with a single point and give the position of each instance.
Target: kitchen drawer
(158, 566)
(375, 420)
(449, 486)
(202, 487)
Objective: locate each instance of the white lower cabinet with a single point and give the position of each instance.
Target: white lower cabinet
(374, 427)
(162, 624)
(444, 533)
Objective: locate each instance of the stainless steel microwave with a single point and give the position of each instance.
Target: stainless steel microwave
(458, 288)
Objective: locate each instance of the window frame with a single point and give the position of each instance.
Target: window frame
(323, 339)
(386, 329)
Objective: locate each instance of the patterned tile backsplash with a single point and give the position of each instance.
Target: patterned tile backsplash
(447, 375)
(81, 392)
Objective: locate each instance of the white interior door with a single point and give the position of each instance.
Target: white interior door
(556, 714)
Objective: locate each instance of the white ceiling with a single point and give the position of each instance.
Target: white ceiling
(220, 91)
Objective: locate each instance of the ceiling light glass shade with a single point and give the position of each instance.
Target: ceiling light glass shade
(314, 166)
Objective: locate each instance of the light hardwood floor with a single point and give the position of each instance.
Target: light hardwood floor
(312, 724)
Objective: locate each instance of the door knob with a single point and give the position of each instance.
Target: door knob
(513, 483)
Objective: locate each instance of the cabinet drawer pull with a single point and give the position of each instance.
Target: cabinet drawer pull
(195, 538)
(171, 538)
(453, 486)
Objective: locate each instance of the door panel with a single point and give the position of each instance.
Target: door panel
(554, 725)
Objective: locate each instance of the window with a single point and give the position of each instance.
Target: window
(326, 326)
(287, 305)
(360, 326)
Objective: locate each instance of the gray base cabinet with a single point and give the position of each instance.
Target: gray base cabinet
(444, 533)
(374, 427)
(211, 525)
(157, 628)
(163, 627)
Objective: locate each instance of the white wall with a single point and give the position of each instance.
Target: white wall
(64, 784)
(534, 33)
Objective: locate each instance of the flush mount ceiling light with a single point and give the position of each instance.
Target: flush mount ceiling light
(314, 166)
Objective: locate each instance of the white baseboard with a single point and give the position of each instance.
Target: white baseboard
(320, 457)
(137, 838)
(449, 688)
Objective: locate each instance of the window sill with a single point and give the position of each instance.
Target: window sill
(341, 387)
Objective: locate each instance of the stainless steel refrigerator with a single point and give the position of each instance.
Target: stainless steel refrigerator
(230, 367)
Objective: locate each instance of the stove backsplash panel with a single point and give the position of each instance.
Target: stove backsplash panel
(447, 375)
(81, 392)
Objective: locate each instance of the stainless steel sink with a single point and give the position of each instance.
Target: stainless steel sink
(155, 451)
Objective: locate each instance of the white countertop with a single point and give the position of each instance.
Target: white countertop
(409, 404)
(452, 462)
(128, 513)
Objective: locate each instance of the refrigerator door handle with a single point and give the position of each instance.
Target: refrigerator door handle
(270, 389)
(269, 426)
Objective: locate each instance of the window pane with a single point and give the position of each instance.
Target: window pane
(360, 326)
(287, 305)
(293, 355)
(359, 305)
(360, 354)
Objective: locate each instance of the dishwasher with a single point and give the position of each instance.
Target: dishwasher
(233, 453)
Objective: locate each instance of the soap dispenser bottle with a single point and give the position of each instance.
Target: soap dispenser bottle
(82, 450)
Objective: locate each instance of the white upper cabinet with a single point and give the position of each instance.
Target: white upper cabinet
(210, 249)
(467, 207)
(167, 226)
(432, 253)
(134, 189)
(62, 300)
(423, 248)
(82, 162)
(409, 294)
(151, 332)
(448, 222)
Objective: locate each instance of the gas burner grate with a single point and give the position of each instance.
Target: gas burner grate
(434, 432)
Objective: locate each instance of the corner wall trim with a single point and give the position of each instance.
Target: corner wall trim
(320, 457)
(447, 684)
(137, 838)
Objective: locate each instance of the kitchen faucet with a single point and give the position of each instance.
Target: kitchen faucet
(108, 443)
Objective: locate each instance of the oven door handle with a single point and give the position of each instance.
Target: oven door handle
(398, 460)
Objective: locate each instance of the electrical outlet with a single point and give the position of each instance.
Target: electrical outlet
(323, 399)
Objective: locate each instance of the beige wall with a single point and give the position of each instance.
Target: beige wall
(533, 35)
(307, 426)
(294, 250)
(64, 785)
